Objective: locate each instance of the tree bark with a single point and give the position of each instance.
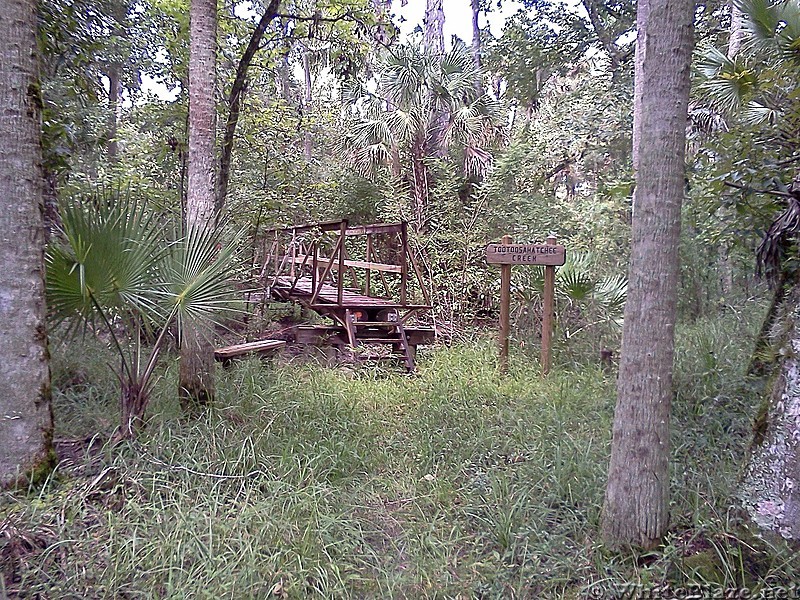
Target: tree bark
(113, 112)
(771, 484)
(197, 350)
(737, 33)
(636, 504)
(642, 14)
(476, 32)
(26, 424)
(308, 144)
(434, 45)
(434, 27)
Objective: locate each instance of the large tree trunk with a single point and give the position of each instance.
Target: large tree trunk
(771, 485)
(26, 424)
(636, 504)
(197, 349)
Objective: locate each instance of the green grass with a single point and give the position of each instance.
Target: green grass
(308, 482)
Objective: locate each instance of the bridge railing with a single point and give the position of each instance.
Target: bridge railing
(324, 254)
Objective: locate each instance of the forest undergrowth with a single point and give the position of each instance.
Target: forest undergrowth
(306, 481)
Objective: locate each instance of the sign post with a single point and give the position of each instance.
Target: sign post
(506, 254)
(505, 308)
(547, 309)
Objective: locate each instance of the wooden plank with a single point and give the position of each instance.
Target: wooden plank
(327, 294)
(374, 228)
(363, 264)
(526, 254)
(326, 226)
(240, 349)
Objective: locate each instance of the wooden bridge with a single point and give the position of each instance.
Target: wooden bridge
(365, 278)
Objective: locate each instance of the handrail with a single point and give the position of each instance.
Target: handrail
(316, 257)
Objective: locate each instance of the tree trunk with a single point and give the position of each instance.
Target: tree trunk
(434, 27)
(771, 485)
(308, 144)
(476, 32)
(737, 33)
(637, 494)
(419, 184)
(113, 113)
(119, 11)
(434, 45)
(235, 102)
(197, 349)
(26, 423)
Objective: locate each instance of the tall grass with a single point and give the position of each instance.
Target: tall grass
(306, 482)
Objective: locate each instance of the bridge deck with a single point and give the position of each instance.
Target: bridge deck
(328, 295)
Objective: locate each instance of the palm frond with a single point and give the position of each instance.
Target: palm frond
(575, 279)
(109, 254)
(728, 83)
(197, 281)
(756, 113)
(611, 293)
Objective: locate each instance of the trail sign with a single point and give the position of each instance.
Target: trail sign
(549, 255)
(526, 254)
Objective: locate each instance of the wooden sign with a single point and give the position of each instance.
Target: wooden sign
(549, 255)
(526, 254)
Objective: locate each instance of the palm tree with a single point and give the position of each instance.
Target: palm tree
(27, 423)
(114, 269)
(398, 125)
(196, 377)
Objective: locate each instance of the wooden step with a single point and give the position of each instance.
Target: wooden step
(229, 352)
(379, 340)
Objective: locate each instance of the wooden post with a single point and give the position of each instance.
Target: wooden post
(505, 308)
(294, 253)
(547, 310)
(314, 267)
(277, 252)
(403, 263)
(340, 273)
(368, 285)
